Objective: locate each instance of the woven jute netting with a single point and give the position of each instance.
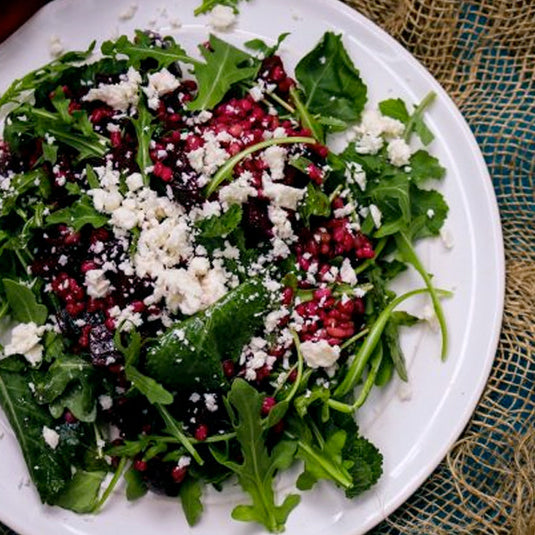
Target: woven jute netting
(483, 54)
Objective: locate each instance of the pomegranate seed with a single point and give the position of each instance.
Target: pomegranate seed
(140, 465)
(267, 405)
(321, 293)
(286, 85)
(263, 373)
(336, 332)
(72, 309)
(228, 368)
(110, 324)
(69, 417)
(115, 139)
(72, 238)
(194, 143)
(201, 433)
(278, 74)
(346, 307)
(178, 473)
(163, 172)
(88, 265)
(116, 369)
(99, 234)
(138, 306)
(359, 305)
(279, 427)
(321, 150)
(292, 376)
(235, 130)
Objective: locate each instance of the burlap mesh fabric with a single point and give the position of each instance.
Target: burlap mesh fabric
(483, 53)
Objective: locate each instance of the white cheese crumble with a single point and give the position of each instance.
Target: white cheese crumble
(399, 152)
(376, 215)
(97, 284)
(347, 273)
(129, 12)
(105, 401)
(281, 194)
(447, 238)
(25, 340)
(222, 17)
(119, 96)
(160, 83)
(55, 46)
(319, 354)
(210, 402)
(239, 190)
(51, 437)
(275, 158)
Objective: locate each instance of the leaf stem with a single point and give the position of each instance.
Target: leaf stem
(175, 431)
(111, 486)
(367, 348)
(282, 102)
(417, 113)
(225, 170)
(354, 338)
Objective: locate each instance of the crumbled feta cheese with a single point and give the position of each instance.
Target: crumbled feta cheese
(447, 238)
(129, 12)
(369, 144)
(160, 83)
(282, 228)
(184, 461)
(239, 190)
(125, 319)
(399, 152)
(347, 272)
(222, 17)
(97, 284)
(25, 340)
(320, 354)
(430, 213)
(354, 174)
(404, 392)
(119, 96)
(106, 402)
(275, 157)
(430, 317)
(51, 437)
(281, 194)
(376, 215)
(210, 402)
(56, 46)
(134, 181)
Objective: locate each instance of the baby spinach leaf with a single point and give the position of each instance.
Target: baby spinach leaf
(135, 486)
(143, 47)
(23, 303)
(49, 470)
(257, 471)
(223, 225)
(190, 497)
(80, 213)
(81, 493)
(331, 82)
(190, 353)
(225, 65)
(316, 203)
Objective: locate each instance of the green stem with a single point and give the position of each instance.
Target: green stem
(365, 351)
(281, 102)
(370, 379)
(354, 338)
(297, 383)
(111, 486)
(417, 113)
(3, 310)
(225, 171)
(174, 430)
(306, 118)
(335, 193)
(214, 438)
(409, 254)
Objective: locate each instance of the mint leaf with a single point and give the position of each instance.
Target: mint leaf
(80, 213)
(23, 303)
(258, 469)
(190, 497)
(331, 82)
(225, 65)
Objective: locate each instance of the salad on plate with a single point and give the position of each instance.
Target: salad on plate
(194, 287)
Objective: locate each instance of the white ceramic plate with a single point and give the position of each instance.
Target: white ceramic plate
(413, 434)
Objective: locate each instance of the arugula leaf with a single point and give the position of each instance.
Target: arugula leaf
(152, 390)
(44, 73)
(223, 225)
(260, 46)
(77, 215)
(331, 82)
(424, 166)
(49, 470)
(315, 203)
(23, 303)
(397, 109)
(429, 211)
(81, 493)
(190, 497)
(143, 47)
(144, 130)
(190, 353)
(225, 65)
(21, 184)
(208, 5)
(257, 471)
(79, 399)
